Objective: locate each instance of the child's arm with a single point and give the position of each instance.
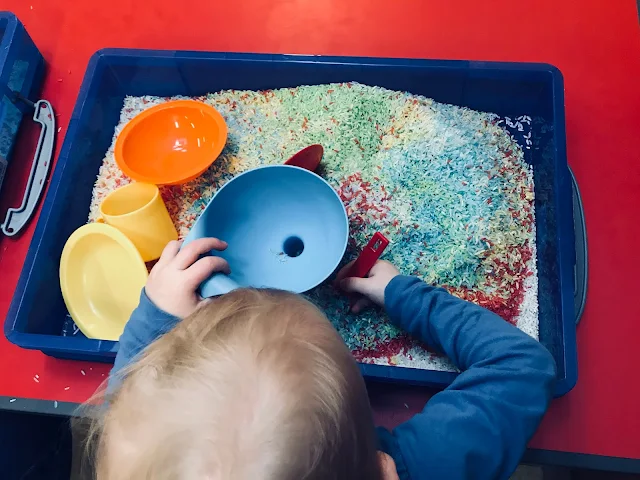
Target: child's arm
(169, 295)
(146, 324)
(479, 426)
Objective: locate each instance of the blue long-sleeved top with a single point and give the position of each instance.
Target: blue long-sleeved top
(479, 426)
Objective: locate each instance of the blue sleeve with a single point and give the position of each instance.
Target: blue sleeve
(477, 428)
(146, 324)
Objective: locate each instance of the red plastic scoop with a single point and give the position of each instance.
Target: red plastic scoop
(369, 256)
(308, 158)
(366, 260)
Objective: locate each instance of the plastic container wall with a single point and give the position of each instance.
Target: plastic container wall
(37, 313)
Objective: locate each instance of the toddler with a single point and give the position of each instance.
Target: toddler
(258, 385)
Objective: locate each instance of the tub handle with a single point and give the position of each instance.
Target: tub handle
(17, 218)
(581, 267)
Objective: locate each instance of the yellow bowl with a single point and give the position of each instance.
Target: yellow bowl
(101, 276)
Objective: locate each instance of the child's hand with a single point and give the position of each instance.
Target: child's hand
(173, 282)
(372, 288)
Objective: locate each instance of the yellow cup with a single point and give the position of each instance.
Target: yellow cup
(137, 210)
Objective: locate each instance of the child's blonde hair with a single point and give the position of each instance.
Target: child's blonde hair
(255, 385)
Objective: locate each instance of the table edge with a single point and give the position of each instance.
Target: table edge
(38, 406)
(587, 461)
(532, 455)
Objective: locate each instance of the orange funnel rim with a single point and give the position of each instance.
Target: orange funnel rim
(174, 177)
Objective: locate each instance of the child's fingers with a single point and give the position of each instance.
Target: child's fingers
(342, 274)
(203, 269)
(169, 252)
(361, 304)
(189, 254)
(357, 285)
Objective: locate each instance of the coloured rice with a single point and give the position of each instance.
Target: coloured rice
(448, 186)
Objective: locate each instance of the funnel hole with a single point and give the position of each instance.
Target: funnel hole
(293, 246)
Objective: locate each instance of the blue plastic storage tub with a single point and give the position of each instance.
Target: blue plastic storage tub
(37, 312)
(21, 73)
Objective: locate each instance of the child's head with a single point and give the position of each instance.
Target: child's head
(255, 385)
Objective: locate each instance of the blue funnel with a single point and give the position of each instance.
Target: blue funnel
(286, 228)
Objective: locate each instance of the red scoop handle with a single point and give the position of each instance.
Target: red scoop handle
(369, 256)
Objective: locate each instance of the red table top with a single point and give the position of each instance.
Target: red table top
(596, 45)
